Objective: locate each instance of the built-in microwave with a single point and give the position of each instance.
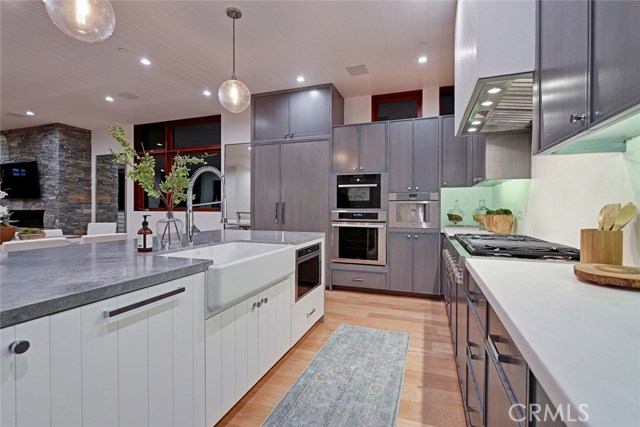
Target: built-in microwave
(414, 210)
(358, 191)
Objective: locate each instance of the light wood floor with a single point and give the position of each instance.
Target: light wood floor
(430, 394)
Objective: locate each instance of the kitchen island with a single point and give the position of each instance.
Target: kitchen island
(101, 335)
(580, 340)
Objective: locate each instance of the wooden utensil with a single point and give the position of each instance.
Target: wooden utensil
(609, 216)
(610, 275)
(625, 216)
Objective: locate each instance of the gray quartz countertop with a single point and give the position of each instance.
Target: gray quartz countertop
(40, 282)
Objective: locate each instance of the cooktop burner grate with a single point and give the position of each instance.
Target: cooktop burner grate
(515, 246)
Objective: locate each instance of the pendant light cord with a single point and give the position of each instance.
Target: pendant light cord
(234, 47)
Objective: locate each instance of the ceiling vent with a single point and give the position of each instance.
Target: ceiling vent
(357, 70)
(127, 95)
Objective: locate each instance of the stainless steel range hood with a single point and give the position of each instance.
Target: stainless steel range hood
(499, 104)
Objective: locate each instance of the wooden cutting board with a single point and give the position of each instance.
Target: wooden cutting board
(610, 275)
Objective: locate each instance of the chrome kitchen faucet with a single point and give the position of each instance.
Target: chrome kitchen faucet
(191, 226)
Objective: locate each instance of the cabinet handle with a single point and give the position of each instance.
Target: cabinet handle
(310, 312)
(502, 358)
(415, 236)
(355, 169)
(286, 135)
(19, 347)
(283, 209)
(408, 188)
(277, 211)
(291, 136)
(264, 300)
(361, 167)
(472, 409)
(417, 188)
(476, 297)
(257, 304)
(575, 118)
(357, 279)
(444, 183)
(113, 313)
(408, 236)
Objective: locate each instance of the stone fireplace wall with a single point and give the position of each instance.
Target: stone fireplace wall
(63, 154)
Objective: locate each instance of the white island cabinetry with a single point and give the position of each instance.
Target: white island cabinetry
(141, 367)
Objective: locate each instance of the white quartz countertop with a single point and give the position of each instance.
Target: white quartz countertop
(452, 230)
(582, 341)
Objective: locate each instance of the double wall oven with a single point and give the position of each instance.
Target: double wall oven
(359, 237)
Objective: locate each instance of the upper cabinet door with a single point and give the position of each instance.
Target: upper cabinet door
(400, 156)
(615, 58)
(345, 149)
(309, 113)
(479, 156)
(270, 117)
(563, 52)
(426, 155)
(265, 185)
(373, 147)
(454, 156)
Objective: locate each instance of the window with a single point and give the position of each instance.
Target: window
(447, 100)
(200, 137)
(394, 106)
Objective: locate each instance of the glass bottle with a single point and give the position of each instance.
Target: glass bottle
(169, 232)
(478, 213)
(455, 215)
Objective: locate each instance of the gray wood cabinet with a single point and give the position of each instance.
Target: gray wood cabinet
(413, 260)
(290, 186)
(414, 155)
(562, 72)
(463, 157)
(615, 61)
(296, 114)
(360, 148)
(454, 155)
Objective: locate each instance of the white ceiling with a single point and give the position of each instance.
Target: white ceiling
(189, 43)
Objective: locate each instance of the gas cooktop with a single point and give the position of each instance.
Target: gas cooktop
(515, 246)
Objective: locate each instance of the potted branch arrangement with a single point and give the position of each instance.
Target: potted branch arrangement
(171, 190)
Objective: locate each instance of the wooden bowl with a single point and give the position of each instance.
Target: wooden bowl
(31, 236)
(501, 224)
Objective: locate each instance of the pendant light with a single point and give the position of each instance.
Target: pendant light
(89, 21)
(233, 94)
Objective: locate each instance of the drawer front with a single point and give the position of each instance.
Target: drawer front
(509, 358)
(359, 279)
(478, 301)
(306, 312)
(498, 406)
(473, 401)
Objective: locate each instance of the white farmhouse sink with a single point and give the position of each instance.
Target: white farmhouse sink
(241, 269)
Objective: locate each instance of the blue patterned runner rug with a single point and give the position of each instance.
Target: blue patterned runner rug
(354, 381)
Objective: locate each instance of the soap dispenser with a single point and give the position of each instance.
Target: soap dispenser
(145, 236)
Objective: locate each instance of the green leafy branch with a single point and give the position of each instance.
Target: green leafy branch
(141, 169)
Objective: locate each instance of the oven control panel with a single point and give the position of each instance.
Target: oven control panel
(362, 216)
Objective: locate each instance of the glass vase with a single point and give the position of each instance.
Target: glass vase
(169, 232)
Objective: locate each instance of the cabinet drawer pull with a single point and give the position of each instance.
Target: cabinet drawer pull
(575, 118)
(283, 210)
(257, 304)
(277, 211)
(310, 312)
(502, 358)
(116, 312)
(361, 168)
(472, 409)
(264, 300)
(286, 135)
(355, 169)
(357, 279)
(292, 133)
(19, 347)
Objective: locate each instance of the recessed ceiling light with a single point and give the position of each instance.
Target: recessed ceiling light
(476, 122)
(422, 59)
(30, 113)
(108, 99)
(158, 144)
(206, 92)
(300, 79)
(145, 61)
(494, 90)
(472, 129)
(487, 103)
(161, 170)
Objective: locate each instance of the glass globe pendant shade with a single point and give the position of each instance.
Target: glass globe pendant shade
(234, 95)
(89, 21)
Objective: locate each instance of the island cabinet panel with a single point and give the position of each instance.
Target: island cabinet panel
(7, 378)
(33, 386)
(242, 344)
(134, 368)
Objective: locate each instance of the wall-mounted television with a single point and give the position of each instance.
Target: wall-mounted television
(20, 180)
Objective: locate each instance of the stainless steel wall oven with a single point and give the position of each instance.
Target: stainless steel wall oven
(359, 237)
